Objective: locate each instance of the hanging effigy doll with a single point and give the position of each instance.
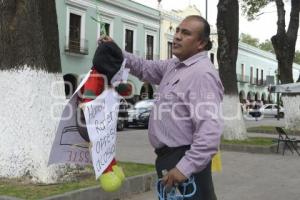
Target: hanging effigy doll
(107, 62)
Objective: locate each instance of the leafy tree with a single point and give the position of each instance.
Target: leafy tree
(266, 46)
(284, 41)
(248, 39)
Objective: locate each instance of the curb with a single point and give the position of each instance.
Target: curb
(131, 186)
(250, 148)
(8, 198)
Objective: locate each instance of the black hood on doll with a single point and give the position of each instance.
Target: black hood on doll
(108, 59)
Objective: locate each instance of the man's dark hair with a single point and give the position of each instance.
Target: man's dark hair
(205, 33)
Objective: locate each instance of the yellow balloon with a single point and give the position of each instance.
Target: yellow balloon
(119, 172)
(110, 182)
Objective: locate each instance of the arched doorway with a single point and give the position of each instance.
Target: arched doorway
(249, 96)
(257, 96)
(70, 84)
(146, 91)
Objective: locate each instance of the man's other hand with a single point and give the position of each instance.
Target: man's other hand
(173, 178)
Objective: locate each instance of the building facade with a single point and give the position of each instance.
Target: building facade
(148, 33)
(256, 70)
(133, 26)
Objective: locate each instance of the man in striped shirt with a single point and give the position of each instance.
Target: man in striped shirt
(185, 124)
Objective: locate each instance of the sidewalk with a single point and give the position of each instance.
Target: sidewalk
(245, 176)
(253, 176)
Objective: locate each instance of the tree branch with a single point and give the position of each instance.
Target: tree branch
(294, 21)
(281, 17)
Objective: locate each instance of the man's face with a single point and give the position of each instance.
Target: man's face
(187, 41)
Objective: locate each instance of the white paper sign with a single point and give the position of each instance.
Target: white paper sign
(101, 117)
(69, 146)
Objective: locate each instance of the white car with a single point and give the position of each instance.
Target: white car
(270, 110)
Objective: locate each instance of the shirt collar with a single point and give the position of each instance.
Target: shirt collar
(191, 60)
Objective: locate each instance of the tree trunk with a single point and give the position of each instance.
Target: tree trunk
(32, 86)
(284, 43)
(29, 35)
(228, 32)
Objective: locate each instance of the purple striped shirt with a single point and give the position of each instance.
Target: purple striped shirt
(187, 106)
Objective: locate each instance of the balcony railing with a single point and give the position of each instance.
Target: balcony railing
(262, 83)
(242, 78)
(77, 46)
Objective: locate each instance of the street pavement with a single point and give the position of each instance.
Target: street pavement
(245, 176)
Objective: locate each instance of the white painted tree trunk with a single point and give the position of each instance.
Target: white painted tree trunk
(291, 107)
(31, 104)
(234, 125)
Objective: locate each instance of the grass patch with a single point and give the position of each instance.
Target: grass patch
(19, 188)
(270, 129)
(251, 141)
(262, 129)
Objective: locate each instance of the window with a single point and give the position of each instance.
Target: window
(105, 29)
(149, 47)
(212, 57)
(268, 107)
(74, 32)
(129, 40)
(251, 75)
(170, 53)
(257, 76)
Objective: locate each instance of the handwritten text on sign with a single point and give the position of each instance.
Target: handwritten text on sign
(101, 117)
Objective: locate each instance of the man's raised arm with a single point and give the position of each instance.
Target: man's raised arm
(146, 70)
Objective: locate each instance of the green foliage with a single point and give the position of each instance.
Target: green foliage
(267, 46)
(250, 8)
(260, 141)
(248, 39)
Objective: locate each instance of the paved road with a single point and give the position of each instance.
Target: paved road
(251, 122)
(245, 176)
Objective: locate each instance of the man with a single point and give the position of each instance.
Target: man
(185, 125)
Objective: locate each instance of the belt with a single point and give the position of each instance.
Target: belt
(167, 150)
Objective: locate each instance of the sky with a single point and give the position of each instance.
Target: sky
(262, 28)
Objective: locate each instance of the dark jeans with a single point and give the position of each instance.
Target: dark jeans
(167, 158)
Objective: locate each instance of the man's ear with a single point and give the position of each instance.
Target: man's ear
(202, 45)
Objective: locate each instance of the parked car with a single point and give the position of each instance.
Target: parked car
(267, 110)
(140, 113)
(122, 115)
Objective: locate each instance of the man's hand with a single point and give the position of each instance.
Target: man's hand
(82, 106)
(105, 39)
(173, 177)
